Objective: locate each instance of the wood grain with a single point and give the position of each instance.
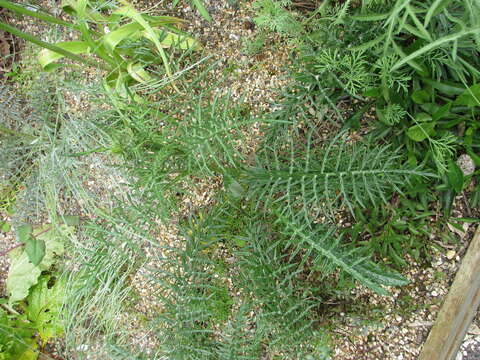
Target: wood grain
(458, 310)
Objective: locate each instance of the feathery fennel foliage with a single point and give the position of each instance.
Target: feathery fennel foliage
(274, 16)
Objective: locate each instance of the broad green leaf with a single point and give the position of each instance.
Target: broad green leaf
(30, 353)
(156, 21)
(129, 31)
(470, 97)
(79, 8)
(24, 232)
(71, 220)
(16, 338)
(44, 306)
(54, 242)
(455, 177)
(179, 41)
(445, 87)
(446, 200)
(423, 117)
(22, 274)
(442, 112)
(117, 83)
(5, 227)
(235, 188)
(373, 92)
(420, 132)
(421, 97)
(47, 58)
(370, 17)
(35, 250)
(128, 11)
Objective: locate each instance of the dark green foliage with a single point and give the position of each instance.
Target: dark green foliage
(16, 337)
(299, 172)
(328, 253)
(395, 230)
(425, 66)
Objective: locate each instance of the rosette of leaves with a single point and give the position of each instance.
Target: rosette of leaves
(127, 42)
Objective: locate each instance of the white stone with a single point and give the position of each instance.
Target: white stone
(450, 254)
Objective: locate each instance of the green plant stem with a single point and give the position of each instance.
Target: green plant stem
(317, 11)
(3, 253)
(36, 14)
(51, 47)
(10, 309)
(83, 28)
(13, 132)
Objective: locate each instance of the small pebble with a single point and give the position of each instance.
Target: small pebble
(450, 254)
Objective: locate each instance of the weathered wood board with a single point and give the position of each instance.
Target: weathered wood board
(458, 310)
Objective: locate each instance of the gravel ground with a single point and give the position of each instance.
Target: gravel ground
(394, 327)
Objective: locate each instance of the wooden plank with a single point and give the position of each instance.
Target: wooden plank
(458, 310)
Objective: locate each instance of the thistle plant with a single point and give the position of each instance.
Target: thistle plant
(317, 178)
